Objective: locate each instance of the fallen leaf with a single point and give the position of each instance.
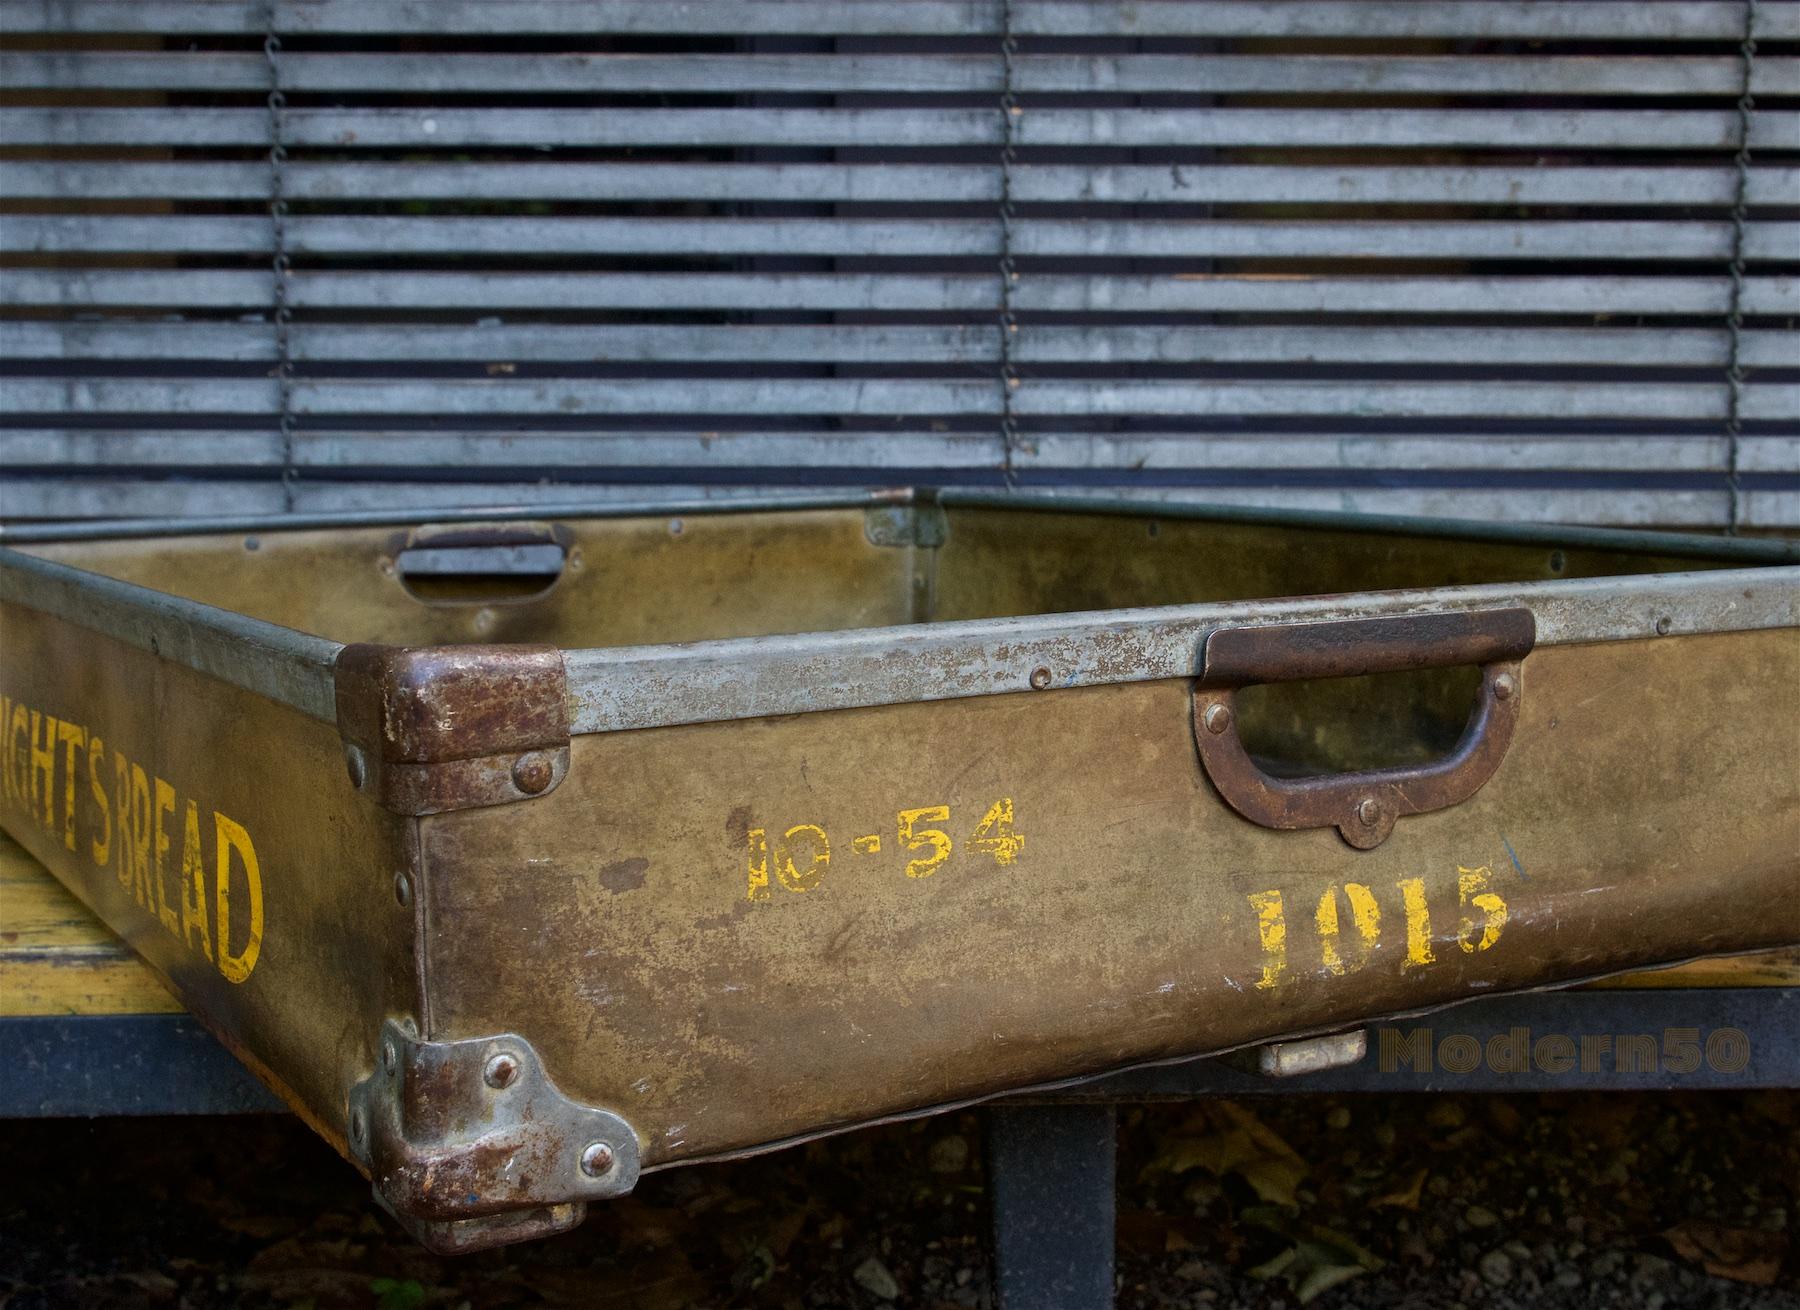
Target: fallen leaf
(1318, 1262)
(1404, 1197)
(1241, 1144)
(1323, 1278)
(1747, 1255)
(1150, 1232)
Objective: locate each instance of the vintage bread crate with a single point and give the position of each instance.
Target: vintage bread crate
(622, 839)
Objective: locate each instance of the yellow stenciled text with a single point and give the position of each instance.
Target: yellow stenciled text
(193, 872)
(1346, 943)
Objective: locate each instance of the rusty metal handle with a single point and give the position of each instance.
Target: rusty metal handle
(1363, 806)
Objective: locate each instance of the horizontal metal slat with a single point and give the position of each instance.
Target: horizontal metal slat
(568, 398)
(447, 128)
(707, 74)
(98, 341)
(1507, 185)
(213, 449)
(1542, 19)
(1187, 184)
(537, 238)
(114, 497)
(1292, 294)
(1616, 346)
(927, 293)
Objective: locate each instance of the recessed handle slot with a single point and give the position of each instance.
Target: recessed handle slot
(503, 564)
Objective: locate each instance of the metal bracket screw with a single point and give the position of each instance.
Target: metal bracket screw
(501, 1071)
(1504, 686)
(402, 890)
(1217, 718)
(596, 1159)
(533, 772)
(1369, 811)
(357, 765)
(1040, 678)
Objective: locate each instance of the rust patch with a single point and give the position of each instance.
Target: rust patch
(737, 825)
(624, 875)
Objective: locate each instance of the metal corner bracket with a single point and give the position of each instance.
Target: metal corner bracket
(469, 1145)
(432, 729)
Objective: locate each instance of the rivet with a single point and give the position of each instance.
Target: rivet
(596, 1159)
(359, 1125)
(402, 890)
(1040, 678)
(1368, 811)
(1504, 686)
(252, 543)
(532, 772)
(1217, 718)
(501, 1072)
(390, 1056)
(1663, 625)
(357, 765)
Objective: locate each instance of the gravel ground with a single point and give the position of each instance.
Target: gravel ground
(1570, 1201)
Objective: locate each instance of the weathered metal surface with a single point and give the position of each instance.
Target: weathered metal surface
(1708, 20)
(651, 686)
(1298, 651)
(1362, 805)
(269, 660)
(669, 574)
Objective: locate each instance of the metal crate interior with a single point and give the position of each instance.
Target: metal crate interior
(802, 586)
(1469, 258)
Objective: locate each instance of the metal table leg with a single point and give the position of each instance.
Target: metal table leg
(1050, 1177)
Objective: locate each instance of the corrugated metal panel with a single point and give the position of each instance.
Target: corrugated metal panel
(1468, 257)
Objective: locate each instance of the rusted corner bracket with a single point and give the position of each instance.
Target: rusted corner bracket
(470, 1145)
(441, 728)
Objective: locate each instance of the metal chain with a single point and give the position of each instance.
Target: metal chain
(278, 214)
(1009, 275)
(1734, 321)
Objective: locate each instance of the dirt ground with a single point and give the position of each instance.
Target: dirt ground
(1427, 1203)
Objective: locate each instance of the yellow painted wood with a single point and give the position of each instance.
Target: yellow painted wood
(57, 958)
(1764, 969)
